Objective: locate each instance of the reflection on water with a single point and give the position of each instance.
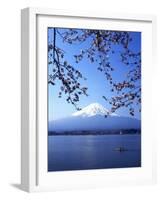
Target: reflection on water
(93, 152)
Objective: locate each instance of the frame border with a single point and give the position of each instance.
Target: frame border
(29, 144)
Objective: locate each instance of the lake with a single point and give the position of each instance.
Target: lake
(93, 152)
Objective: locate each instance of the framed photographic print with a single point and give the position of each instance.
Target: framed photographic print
(86, 99)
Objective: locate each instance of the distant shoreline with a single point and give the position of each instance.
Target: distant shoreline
(107, 132)
(91, 134)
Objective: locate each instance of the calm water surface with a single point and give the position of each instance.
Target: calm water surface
(93, 152)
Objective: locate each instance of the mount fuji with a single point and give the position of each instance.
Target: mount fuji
(92, 118)
(92, 110)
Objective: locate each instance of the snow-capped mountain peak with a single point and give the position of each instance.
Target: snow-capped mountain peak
(92, 110)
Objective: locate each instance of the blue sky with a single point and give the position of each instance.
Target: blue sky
(96, 81)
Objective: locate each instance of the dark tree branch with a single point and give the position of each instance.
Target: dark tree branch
(99, 51)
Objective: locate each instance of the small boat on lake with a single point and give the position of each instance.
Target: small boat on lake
(120, 149)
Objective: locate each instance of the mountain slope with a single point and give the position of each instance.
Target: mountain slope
(94, 123)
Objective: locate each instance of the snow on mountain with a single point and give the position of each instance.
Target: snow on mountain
(92, 110)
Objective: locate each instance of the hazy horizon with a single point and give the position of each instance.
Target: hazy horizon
(71, 114)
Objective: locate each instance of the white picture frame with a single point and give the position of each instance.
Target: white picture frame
(34, 176)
